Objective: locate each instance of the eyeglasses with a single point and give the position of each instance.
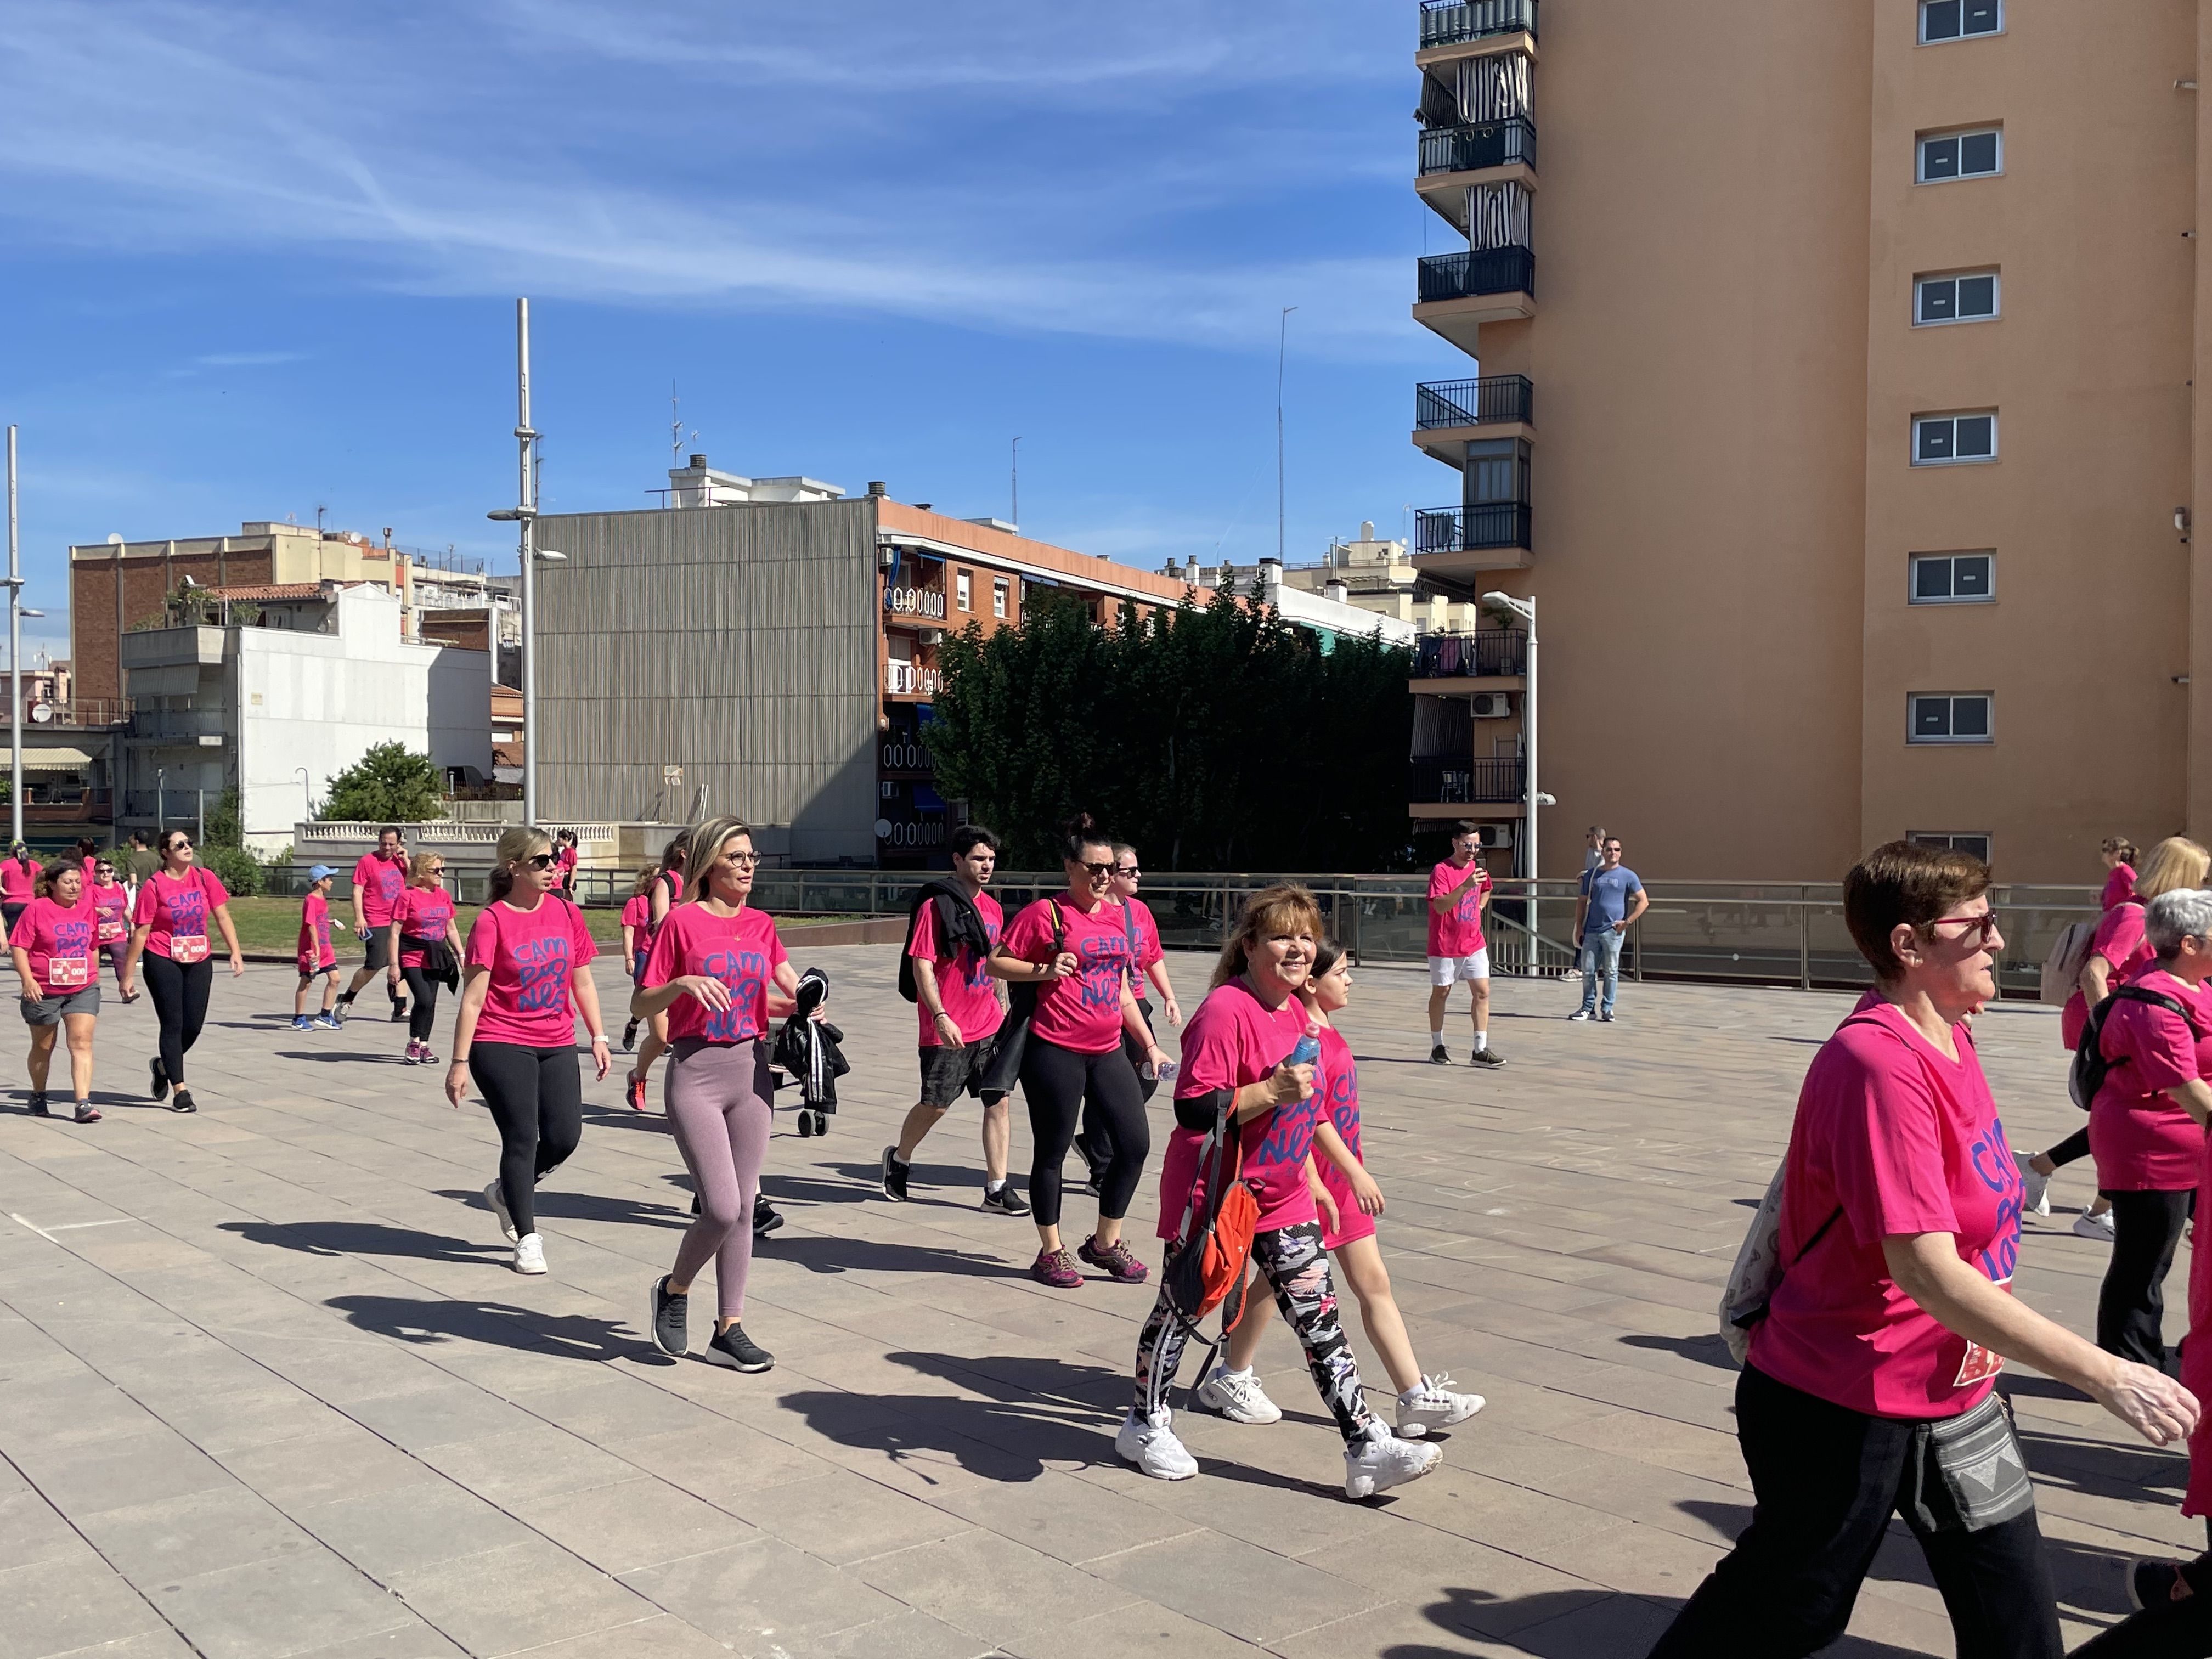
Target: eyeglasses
(741, 861)
(1985, 924)
(1096, 870)
(540, 861)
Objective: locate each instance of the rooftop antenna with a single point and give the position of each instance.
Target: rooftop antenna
(1014, 511)
(676, 427)
(319, 510)
(1282, 347)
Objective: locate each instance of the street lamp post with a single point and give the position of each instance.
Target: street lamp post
(524, 513)
(15, 659)
(1525, 610)
(306, 790)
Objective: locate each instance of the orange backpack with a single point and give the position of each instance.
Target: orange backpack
(1215, 1240)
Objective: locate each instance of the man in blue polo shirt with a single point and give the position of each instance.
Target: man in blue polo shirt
(1611, 899)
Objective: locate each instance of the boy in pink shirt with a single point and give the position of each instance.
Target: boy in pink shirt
(318, 956)
(1459, 892)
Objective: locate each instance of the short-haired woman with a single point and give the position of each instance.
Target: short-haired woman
(422, 925)
(1871, 1376)
(528, 964)
(55, 944)
(173, 908)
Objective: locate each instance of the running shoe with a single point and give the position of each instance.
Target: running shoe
(342, 1011)
(766, 1218)
(160, 1086)
(1006, 1200)
(530, 1253)
(740, 1352)
(182, 1101)
(87, 1112)
(2150, 1584)
(429, 1059)
(1150, 1443)
(1489, 1057)
(303, 1022)
(2036, 1200)
(2099, 1226)
(327, 1021)
(413, 1057)
(895, 1175)
(1606, 1018)
(670, 1319)
(1578, 1016)
(1432, 1404)
(629, 1039)
(399, 1013)
(633, 1092)
(1383, 1461)
(1440, 1055)
(1238, 1396)
(1057, 1269)
(38, 1107)
(497, 1202)
(1114, 1260)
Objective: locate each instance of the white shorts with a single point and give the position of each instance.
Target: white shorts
(1449, 970)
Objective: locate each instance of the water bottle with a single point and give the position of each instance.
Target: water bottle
(1308, 1052)
(1163, 1072)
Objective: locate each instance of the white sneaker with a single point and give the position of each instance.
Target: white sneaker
(2098, 1226)
(1433, 1405)
(529, 1254)
(1237, 1396)
(499, 1208)
(1578, 1014)
(1384, 1461)
(2037, 1198)
(1150, 1443)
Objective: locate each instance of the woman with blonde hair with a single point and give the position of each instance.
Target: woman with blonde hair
(425, 945)
(528, 964)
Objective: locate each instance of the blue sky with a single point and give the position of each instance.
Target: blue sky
(256, 260)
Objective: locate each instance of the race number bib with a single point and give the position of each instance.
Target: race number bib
(1980, 1364)
(110, 930)
(184, 949)
(66, 972)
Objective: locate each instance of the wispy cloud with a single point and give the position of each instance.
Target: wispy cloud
(247, 358)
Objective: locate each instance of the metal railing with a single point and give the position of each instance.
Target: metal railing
(1480, 271)
(1466, 529)
(1443, 780)
(1488, 144)
(183, 724)
(1486, 653)
(1446, 22)
(1494, 397)
(79, 712)
(927, 603)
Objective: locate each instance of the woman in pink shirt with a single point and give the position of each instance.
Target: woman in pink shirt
(528, 965)
(54, 944)
(425, 947)
(2119, 856)
(111, 903)
(663, 894)
(18, 879)
(1869, 1387)
(174, 906)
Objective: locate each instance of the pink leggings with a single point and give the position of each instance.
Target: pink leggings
(717, 1096)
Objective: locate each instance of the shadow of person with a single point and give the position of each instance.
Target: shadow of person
(2102, 1468)
(585, 1207)
(496, 1324)
(822, 1254)
(1591, 1623)
(360, 1239)
(1705, 1350)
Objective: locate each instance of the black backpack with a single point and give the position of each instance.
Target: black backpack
(2090, 1066)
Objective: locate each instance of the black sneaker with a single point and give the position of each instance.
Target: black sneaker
(87, 1112)
(1006, 1202)
(2150, 1584)
(182, 1102)
(629, 1039)
(671, 1320)
(1439, 1055)
(161, 1084)
(341, 1010)
(39, 1108)
(766, 1218)
(739, 1351)
(399, 1013)
(895, 1175)
(1489, 1057)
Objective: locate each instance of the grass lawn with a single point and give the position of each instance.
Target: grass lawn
(272, 924)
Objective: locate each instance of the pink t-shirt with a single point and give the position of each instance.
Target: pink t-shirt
(1144, 940)
(113, 906)
(423, 914)
(379, 881)
(1082, 1013)
(315, 950)
(179, 910)
(18, 880)
(60, 940)
(637, 910)
(742, 951)
(1900, 1140)
(967, 991)
(1233, 1039)
(1458, 931)
(2120, 940)
(1338, 1087)
(533, 956)
(2141, 1141)
(2119, 886)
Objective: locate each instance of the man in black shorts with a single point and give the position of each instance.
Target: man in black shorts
(957, 1002)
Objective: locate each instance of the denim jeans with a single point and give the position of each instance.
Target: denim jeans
(1601, 955)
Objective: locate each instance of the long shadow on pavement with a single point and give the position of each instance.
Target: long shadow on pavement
(500, 1324)
(360, 1238)
(1583, 1624)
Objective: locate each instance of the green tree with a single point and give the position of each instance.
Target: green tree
(390, 784)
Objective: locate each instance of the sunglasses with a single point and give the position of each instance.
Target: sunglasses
(1131, 872)
(539, 861)
(1985, 924)
(181, 844)
(1098, 870)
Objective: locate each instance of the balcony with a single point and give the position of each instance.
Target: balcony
(1461, 540)
(1454, 158)
(1462, 780)
(168, 647)
(178, 728)
(1447, 23)
(1488, 653)
(903, 679)
(925, 605)
(1459, 292)
(1449, 415)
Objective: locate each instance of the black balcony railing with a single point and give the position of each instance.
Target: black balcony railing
(1444, 22)
(1484, 271)
(1493, 144)
(1495, 397)
(1467, 529)
(1439, 779)
(1486, 653)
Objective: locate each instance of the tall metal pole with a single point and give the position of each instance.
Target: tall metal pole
(1016, 508)
(15, 658)
(1532, 746)
(524, 437)
(1282, 349)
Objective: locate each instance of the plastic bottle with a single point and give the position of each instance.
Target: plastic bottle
(1163, 1072)
(1308, 1052)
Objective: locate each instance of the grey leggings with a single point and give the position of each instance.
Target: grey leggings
(719, 1096)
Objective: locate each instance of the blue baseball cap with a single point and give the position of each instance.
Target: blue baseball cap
(319, 872)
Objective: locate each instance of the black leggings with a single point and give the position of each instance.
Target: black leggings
(1059, 1084)
(423, 1003)
(180, 998)
(537, 1099)
(2131, 1302)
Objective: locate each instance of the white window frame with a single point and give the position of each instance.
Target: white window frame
(1951, 838)
(1954, 458)
(1921, 24)
(1913, 562)
(961, 582)
(1996, 296)
(1912, 720)
(1920, 154)
(1001, 593)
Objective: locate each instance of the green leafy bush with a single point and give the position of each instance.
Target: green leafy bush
(235, 867)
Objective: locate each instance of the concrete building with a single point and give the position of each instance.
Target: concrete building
(274, 707)
(1837, 400)
(777, 658)
(1313, 598)
(1375, 574)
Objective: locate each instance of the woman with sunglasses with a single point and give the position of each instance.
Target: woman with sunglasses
(1148, 966)
(423, 924)
(1074, 946)
(174, 906)
(719, 972)
(528, 964)
(54, 950)
(111, 905)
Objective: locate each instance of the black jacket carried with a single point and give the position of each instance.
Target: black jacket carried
(807, 1047)
(958, 922)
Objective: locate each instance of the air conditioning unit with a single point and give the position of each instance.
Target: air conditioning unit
(1494, 835)
(1491, 705)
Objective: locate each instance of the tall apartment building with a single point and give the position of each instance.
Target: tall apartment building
(1836, 400)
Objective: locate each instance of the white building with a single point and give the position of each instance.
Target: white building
(1374, 574)
(275, 706)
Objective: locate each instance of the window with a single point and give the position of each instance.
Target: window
(1968, 297)
(999, 597)
(1961, 155)
(1952, 578)
(1974, 842)
(1949, 717)
(1958, 19)
(961, 584)
(1948, 440)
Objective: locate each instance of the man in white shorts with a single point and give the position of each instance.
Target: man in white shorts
(1459, 890)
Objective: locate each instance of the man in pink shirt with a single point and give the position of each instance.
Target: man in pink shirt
(1459, 891)
(378, 881)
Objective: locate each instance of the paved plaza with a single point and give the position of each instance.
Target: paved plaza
(271, 1388)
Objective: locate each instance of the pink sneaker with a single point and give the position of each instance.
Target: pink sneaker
(1053, 1267)
(1114, 1260)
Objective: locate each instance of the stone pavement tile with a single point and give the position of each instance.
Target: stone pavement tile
(59, 1606)
(77, 1410)
(521, 1595)
(843, 1517)
(539, 1461)
(413, 1640)
(666, 1637)
(763, 1597)
(350, 1462)
(1617, 1624)
(1069, 1519)
(1410, 1560)
(409, 1527)
(288, 1605)
(1533, 1524)
(1405, 1630)
(612, 1406)
(1134, 1631)
(994, 1587)
(633, 1523)
(1250, 1592)
(107, 1474)
(726, 1464)
(1647, 1561)
(221, 1424)
(32, 1532)
(913, 1636)
(201, 1532)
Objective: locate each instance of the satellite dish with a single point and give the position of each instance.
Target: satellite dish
(41, 713)
(883, 829)
(115, 541)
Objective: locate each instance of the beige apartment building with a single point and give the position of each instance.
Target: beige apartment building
(1836, 401)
